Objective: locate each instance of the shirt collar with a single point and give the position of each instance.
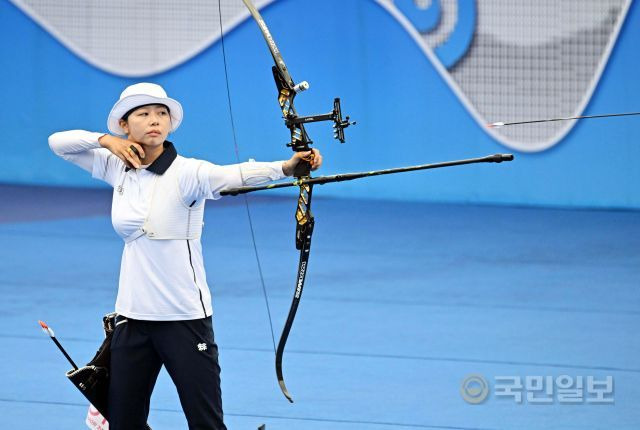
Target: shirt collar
(162, 163)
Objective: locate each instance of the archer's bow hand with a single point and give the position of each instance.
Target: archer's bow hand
(314, 157)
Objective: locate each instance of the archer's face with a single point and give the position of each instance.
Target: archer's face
(148, 125)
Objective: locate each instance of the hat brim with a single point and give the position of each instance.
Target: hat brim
(124, 105)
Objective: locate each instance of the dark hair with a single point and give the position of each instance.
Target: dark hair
(130, 111)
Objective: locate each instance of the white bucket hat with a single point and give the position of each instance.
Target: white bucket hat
(142, 94)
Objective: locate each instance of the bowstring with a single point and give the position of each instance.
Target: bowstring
(246, 200)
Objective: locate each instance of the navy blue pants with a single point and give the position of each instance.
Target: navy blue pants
(187, 350)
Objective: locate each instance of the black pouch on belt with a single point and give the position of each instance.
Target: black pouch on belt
(93, 379)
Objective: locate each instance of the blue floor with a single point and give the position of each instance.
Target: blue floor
(402, 302)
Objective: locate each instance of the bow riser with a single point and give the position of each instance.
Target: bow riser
(304, 218)
(286, 94)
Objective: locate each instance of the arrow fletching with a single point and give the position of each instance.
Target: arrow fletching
(49, 331)
(46, 329)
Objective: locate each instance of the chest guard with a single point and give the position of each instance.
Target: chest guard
(169, 217)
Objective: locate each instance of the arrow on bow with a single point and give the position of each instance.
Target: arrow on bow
(300, 141)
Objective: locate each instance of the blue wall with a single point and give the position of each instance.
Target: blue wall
(406, 113)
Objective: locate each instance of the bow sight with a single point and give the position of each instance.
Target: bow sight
(299, 138)
(335, 115)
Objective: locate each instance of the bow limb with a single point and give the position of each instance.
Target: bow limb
(273, 48)
(304, 231)
(287, 91)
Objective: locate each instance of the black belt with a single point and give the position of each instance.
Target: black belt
(120, 319)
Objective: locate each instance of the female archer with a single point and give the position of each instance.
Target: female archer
(163, 302)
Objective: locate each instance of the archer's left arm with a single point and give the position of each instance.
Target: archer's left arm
(204, 180)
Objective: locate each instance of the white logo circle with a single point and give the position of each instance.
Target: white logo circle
(474, 389)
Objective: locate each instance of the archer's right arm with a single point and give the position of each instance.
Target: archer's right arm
(76, 146)
(84, 148)
(97, 153)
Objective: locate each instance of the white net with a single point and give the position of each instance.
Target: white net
(136, 38)
(529, 60)
(537, 61)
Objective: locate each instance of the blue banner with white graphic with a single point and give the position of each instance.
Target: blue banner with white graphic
(421, 78)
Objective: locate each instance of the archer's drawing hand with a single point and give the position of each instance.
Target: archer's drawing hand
(121, 148)
(314, 157)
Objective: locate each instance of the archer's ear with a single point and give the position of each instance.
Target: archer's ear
(124, 125)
